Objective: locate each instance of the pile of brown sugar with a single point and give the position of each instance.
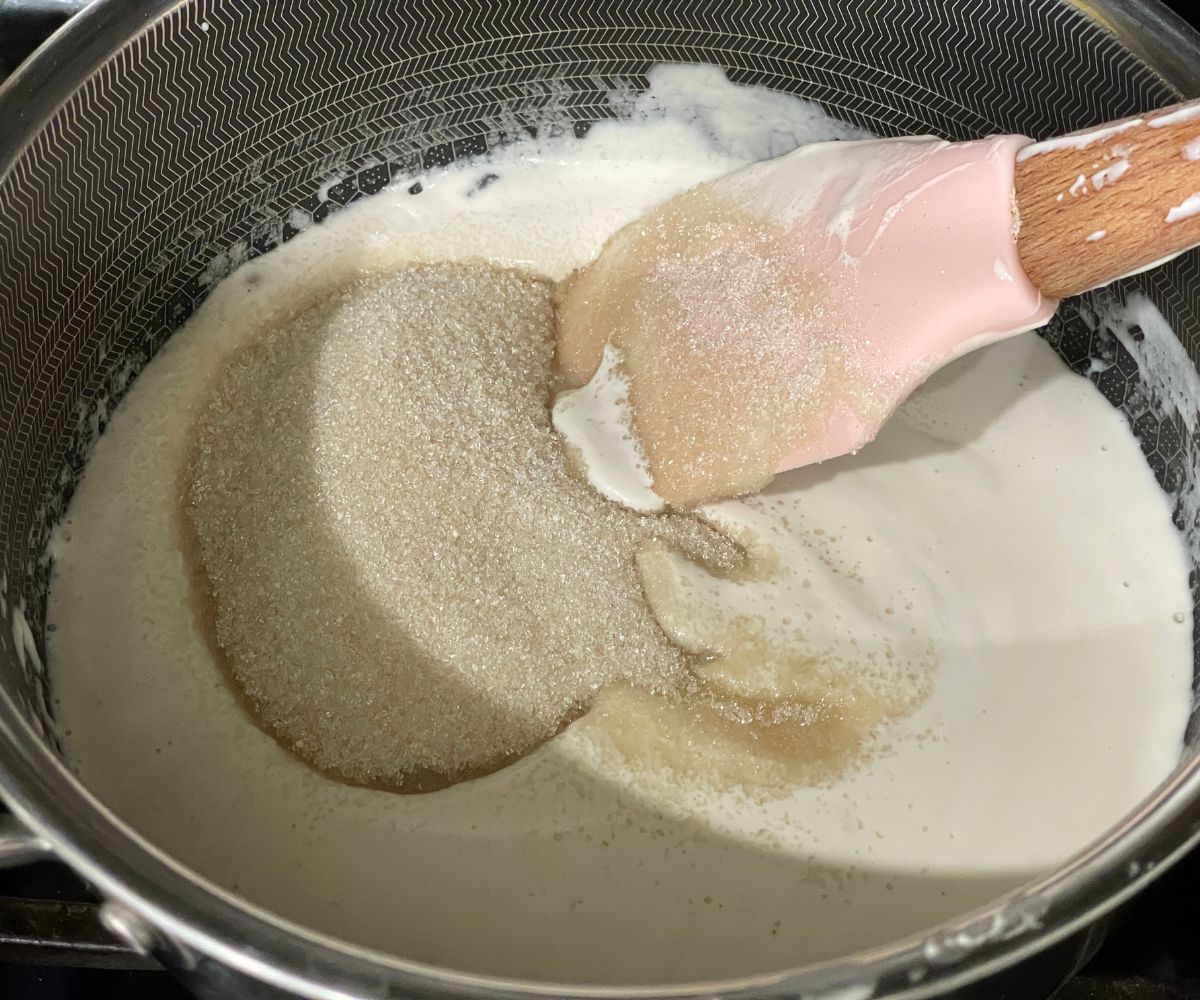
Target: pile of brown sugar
(405, 579)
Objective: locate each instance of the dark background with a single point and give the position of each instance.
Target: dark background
(1152, 951)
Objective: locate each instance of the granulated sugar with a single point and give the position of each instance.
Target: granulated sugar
(733, 349)
(407, 582)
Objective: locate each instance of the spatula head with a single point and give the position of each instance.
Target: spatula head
(778, 316)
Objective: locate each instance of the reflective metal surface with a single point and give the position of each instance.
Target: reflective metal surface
(18, 845)
(149, 139)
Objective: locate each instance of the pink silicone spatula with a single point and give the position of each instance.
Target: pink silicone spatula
(778, 316)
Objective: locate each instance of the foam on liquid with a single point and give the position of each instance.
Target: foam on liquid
(1004, 523)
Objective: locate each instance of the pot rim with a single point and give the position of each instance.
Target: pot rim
(190, 912)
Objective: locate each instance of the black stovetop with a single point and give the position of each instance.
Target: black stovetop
(1152, 951)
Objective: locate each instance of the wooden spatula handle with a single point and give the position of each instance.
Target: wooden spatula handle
(1109, 201)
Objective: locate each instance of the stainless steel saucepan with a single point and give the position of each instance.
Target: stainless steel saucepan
(148, 137)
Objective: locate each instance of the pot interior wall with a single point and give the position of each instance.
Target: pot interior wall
(192, 148)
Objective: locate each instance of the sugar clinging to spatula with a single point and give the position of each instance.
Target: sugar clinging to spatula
(777, 316)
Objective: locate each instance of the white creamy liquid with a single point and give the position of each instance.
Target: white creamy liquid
(1006, 515)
